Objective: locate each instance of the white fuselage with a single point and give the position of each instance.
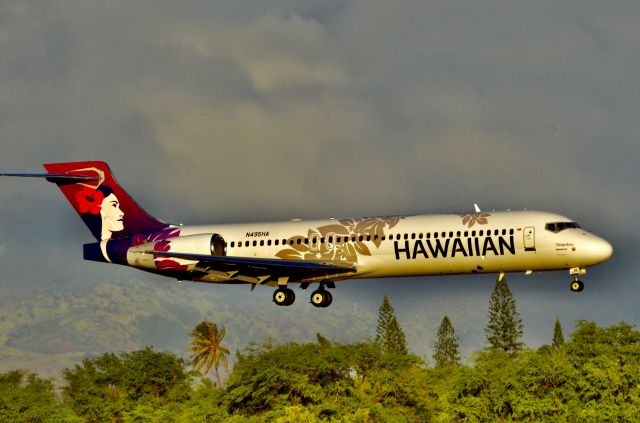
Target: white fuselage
(513, 241)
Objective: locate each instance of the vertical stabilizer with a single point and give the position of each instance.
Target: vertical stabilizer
(104, 206)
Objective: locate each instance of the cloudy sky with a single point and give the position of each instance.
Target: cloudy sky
(227, 111)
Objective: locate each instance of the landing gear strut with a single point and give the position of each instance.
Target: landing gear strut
(284, 296)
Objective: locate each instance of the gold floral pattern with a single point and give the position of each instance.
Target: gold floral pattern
(353, 235)
(470, 219)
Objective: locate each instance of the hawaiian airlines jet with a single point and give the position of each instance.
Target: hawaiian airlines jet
(320, 251)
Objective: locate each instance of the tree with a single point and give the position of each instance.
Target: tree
(505, 326)
(396, 342)
(385, 314)
(558, 338)
(389, 333)
(207, 349)
(446, 346)
(25, 397)
(105, 388)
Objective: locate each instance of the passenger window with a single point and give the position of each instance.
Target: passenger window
(504, 232)
(277, 242)
(262, 242)
(428, 235)
(255, 243)
(458, 234)
(510, 231)
(240, 244)
(360, 238)
(466, 234)
(322, 240)
(398, 236)
(450, 234)
(233, 244)
(269, 242)
(481, 232)
(368, 237)
(299, 241)
(406, 236)
(413, 236)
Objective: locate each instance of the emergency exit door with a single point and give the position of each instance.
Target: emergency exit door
(530, 238)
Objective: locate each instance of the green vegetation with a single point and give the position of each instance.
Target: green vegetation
(558, 337)
(591, 377)
(207, 349)
(389, 334)
(505, 326)
(446, 347)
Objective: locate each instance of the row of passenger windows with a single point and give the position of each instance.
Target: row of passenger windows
(339, 239)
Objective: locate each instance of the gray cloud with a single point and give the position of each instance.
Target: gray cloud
(236, 111)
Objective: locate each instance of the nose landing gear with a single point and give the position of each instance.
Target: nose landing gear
(577, 285)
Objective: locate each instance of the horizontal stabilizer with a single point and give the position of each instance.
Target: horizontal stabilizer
(56, 178)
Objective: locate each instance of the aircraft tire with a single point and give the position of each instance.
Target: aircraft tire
(284, 296)
(328, 299)
(318, 297)
(321, 298)
(577, 286)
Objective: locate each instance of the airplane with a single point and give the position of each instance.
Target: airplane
(320, 251)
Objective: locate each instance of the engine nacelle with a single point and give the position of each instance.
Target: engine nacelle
(205, 244)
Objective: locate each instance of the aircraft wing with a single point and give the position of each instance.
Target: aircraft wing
(265, 270)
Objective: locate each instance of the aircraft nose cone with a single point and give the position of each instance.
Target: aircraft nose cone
(601, 249)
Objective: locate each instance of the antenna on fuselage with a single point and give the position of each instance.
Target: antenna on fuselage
(477, 208)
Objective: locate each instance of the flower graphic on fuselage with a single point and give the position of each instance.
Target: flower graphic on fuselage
(470, 219)
(341, 241)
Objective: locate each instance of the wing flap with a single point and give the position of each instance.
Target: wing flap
(263, 269)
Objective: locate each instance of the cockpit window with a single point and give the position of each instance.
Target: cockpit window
(556, 227)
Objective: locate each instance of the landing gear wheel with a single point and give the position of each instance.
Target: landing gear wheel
(577, 286)
(284, 296)
(321, 298)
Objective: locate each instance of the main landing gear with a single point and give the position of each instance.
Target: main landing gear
(284, 296)
(577, 285)
(321, 298)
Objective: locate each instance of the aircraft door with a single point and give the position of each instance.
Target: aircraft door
(530, 238)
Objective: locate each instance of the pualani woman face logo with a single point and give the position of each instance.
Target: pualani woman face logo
(100, 209)
(112, 216)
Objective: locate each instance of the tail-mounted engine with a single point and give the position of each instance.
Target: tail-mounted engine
(201, 244)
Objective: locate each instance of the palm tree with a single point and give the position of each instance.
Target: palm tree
(207, 349)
